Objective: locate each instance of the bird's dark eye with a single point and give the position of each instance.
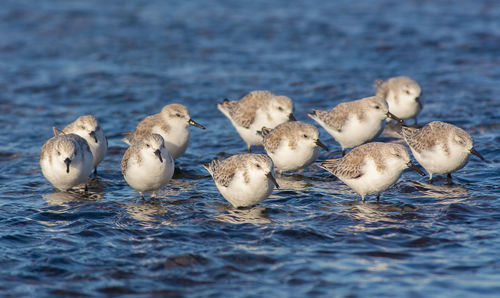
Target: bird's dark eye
(82, 127)
(58, 152)
(408, 92)
(257, 165)
(305, 136)
(147, 145)
(377, 107)
(178, 115)
(280, 108)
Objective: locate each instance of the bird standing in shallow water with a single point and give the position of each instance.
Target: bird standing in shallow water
(66, 161)
(441, 148)
(292, 145)
(371, 168)
(256, 110)
(88, 128)
(402, 95)
(147, 166)
(243, 179)
(171, 123)
(356, 122)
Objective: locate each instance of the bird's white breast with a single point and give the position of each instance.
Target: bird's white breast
(241, 194)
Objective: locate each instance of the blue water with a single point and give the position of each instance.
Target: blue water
(122, 60)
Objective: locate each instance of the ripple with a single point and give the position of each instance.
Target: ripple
(384, 254)
(185, 261)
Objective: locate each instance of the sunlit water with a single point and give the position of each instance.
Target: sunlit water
(122, 60)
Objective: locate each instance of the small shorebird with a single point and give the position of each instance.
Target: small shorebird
(171, 123)
(66, 161)
(402, 95)
(292, 145)
(243, 179)
(147, 166)
(355, 122)
(371, 168)
(441, 148)
(255, 110)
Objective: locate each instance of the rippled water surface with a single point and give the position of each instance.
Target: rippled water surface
(122, 60)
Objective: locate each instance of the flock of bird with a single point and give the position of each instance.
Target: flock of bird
(262, 118)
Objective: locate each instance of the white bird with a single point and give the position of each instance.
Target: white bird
(255, 110)
(88, 128)
(371, 168)
(147, 166)
(356, 122)
(172, 124)
(292, 145)
(402, 95)
(66, 161)
(441, 148)
(243, 179)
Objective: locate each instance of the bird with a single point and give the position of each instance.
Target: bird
(171, 123)
(292, 145)
(88, 128)
(402, 95)
(147, 165)
(243, 179)
(66, 161)
(257, 109)
(355, 122)
(440, 147)
(371, 168)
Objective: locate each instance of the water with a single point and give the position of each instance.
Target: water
(122, 60)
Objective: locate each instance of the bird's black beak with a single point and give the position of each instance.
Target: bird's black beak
(67, 161)
(271, 177)
(473, 151)
(318, 142)
(414, 167)
(291, 117)
(392, 116)
(158, 153)
(194, 123)
(92, 134)
(417, 99)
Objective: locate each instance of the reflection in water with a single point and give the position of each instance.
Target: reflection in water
(96, 189)
(338, 190)
(366, 214)
(255, 215)
(149, 212)
(452, 193)
(176, 188)
(62, 197)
